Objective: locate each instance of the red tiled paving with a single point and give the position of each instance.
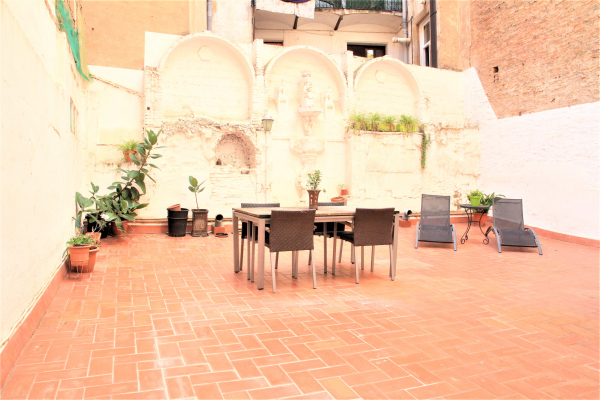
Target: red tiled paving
(166, 317)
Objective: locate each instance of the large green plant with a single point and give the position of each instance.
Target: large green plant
(122, 203)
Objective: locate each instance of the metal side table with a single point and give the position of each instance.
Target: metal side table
(469, 209)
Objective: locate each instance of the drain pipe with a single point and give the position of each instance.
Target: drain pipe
(433, 19)
(405, 29)
(209, 15)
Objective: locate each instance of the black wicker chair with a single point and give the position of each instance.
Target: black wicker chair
(372, 227)
(509, 226)
(320, 231)
(435, 223)
(251, 239)
(291, 231)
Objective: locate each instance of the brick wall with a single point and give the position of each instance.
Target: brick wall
(546, 53)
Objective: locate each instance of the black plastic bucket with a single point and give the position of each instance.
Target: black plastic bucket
(177, 221)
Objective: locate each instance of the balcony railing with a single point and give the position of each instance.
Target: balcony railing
(372, 5)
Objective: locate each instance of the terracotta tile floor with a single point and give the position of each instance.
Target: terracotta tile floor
(167, 318)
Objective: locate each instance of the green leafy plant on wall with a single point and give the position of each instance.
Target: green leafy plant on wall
(122, 202)
(379, 122)
(425, 141)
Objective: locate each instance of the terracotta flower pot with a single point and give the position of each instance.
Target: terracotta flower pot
(339, 199)
(344, 192)
(175, 207)
(116, 231)
(313, 199)
(79, 256)
(127, 155)
(477, 216)
(91, 262)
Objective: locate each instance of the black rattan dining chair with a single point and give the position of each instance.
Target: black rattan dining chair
(509, 226)
(435, 223)
(291, 231)
(372, 227)
(252, 238)
(320, 231)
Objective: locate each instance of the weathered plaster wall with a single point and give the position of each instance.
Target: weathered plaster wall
(379, 169)
(206, 77)
(549, 159)
(232, 19)
(42, 163)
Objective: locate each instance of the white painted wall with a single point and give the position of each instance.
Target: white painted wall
(42, 163)
(549, 159)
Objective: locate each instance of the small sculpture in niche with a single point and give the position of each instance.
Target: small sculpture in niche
(328, 104)
(282, 100)
(308, 97)
(219, 162)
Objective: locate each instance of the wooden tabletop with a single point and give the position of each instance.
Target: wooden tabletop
(323, 211)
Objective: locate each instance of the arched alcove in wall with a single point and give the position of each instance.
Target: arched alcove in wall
(385, 85)
(284, 73)
(204, 75)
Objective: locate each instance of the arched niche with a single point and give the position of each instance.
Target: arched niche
(286, 70)
(385, 85)
(236, 151)
(203, 75)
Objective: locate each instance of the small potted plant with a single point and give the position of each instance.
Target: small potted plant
(343, 190)
(312, 184)
(486, 200)
(79, 251)
(128, 147)
(475, 197)
(199, 215)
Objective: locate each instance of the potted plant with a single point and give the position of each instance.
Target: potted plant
(122, 202)
(475, 197)
(312, 184)
(79, 251)
(343, 190)
(128, 147)
(486, 200)
(199, 216)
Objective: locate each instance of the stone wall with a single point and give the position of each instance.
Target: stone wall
(545, 53)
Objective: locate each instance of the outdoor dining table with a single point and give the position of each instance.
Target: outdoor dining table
(261, 217)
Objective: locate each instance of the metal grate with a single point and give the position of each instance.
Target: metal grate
(373, 5)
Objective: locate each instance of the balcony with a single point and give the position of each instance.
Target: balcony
(370, 5)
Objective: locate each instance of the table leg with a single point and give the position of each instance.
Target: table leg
(250, 254)
(465, 235)
(261, 254)
(395, 244)
(334, 244)
(325, 250)
(236, 245)
(483, 215)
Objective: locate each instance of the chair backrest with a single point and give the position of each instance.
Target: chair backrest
(291, 230)
(331, 204)
(508, 214)
(435, 210)
(373, 226)
(260, 205)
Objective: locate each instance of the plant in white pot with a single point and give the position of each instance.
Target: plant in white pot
(199, 215)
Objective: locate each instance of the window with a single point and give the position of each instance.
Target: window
(274, 42)
(367, 50)
(425, 39)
